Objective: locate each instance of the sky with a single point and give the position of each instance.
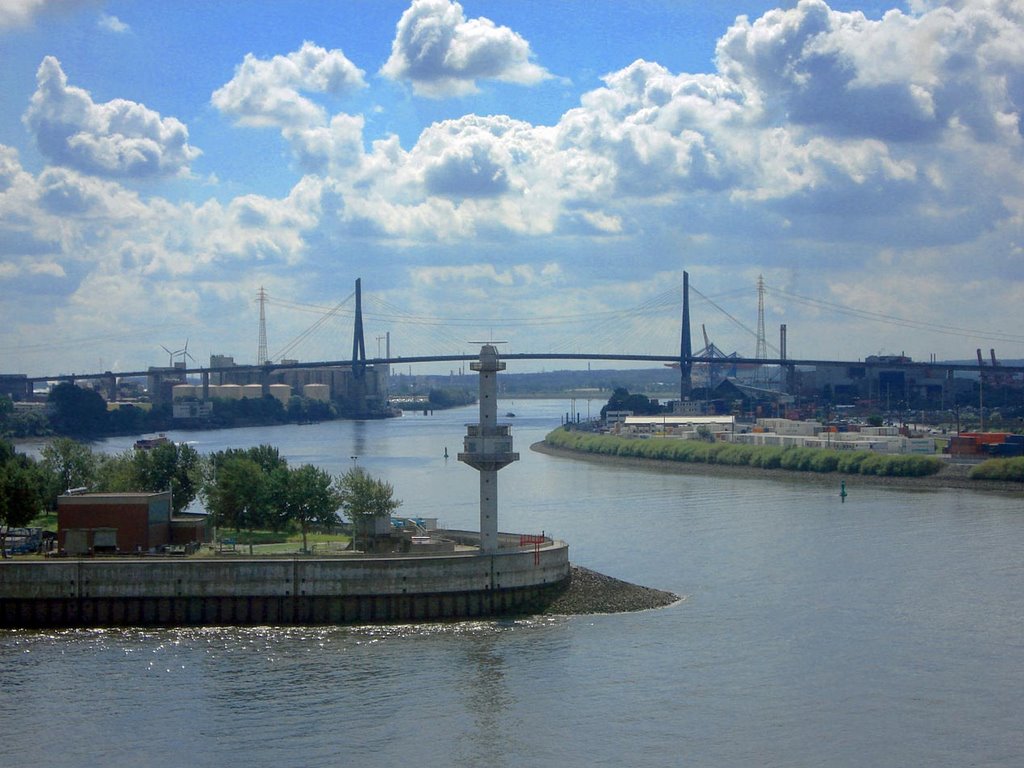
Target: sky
(537, 174)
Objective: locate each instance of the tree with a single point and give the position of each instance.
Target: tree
(306, 496)
(20, 500)
(25, 424)
(67, 464)
(267, 457)
(173, 466)
(622, 400)
(115, 474)
(127, 419)
(237, 494)
(365, 499)
(78, 411)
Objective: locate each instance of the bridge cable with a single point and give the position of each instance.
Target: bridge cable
(881, 317)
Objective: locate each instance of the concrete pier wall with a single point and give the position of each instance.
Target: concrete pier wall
(239, 590)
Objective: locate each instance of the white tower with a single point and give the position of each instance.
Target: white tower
(488, 446)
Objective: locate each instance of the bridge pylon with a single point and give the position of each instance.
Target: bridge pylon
(685, 345)
(358, 342)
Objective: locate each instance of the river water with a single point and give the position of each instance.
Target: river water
(885, 631)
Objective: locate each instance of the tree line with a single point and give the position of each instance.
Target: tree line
(77, 411)
(80, 412)
(241, 489)
(795, 458)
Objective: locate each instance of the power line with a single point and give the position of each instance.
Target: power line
(949, 330)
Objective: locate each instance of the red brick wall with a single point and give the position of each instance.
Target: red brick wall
(130, 520)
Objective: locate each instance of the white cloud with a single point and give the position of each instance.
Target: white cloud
(444, 54)
(63, 192)
(475, 176)
(824, 144)
(901, 78)
(519, 274)
(112, 24)
(16, 13)
(47, 268)
(712, 147)
(658, 131)
(764, 138)
(330, 149)
(267, 93)
(117, 139)
(10, 166)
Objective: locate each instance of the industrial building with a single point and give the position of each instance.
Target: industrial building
(674, 425)
(362, 392)
(112, 523)
(886, 380)
(778, 432)
(785, 433)
(15, 386)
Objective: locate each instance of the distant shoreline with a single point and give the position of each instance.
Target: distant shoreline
(951, 477)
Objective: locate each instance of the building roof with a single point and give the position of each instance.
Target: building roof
(124, 497)
(676, 420)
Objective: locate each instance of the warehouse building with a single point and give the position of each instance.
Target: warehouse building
(113, 523)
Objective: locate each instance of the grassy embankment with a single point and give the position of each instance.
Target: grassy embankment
(1000, 469)
(822, 460)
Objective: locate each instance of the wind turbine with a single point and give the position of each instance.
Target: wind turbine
(170, 355)
(185, 353)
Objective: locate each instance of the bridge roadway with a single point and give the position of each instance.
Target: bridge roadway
(630, 358)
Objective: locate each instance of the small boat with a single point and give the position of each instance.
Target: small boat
(149, 443)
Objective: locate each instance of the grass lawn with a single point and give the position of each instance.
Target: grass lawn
(46, 521)
(270, 543)
(264, 542)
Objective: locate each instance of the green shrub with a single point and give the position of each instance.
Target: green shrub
(799, 459)
(850, 461)
(826, 460)
(872, 464)
(999, 469)
(920, 466)
(768, 457)
(735, 455)
(793, 458)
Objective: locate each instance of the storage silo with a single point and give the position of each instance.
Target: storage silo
(320, 392)
(183, 391)
(252, 391)
(231, 391)
(281, 391)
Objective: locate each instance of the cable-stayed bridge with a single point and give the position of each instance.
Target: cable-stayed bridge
(661, 322)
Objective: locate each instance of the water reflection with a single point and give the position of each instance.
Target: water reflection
(359, 432)
(487, 700)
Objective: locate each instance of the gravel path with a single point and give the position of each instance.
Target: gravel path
(592, 592)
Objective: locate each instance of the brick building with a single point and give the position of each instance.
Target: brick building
(91, 523)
